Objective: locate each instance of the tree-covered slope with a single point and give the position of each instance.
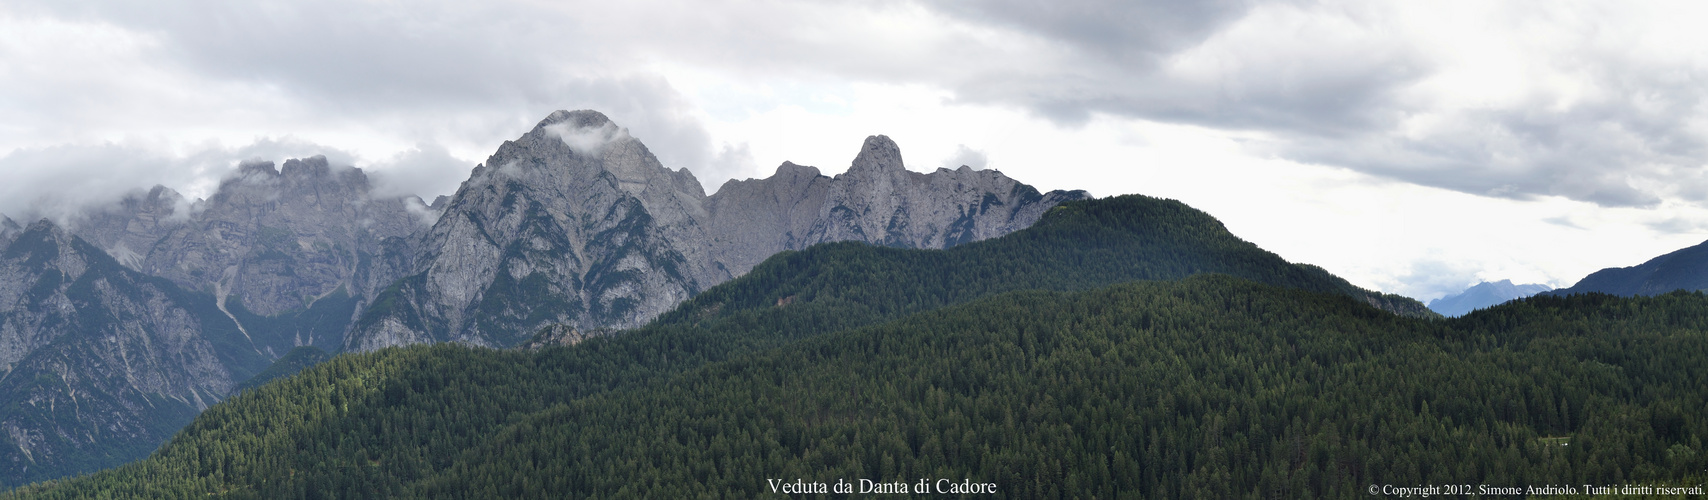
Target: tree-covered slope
(1076, 246)
(1210, 387)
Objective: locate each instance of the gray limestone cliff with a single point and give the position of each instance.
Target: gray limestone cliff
(574, 222)
(99, 364)
(577, 223)
(268, 243)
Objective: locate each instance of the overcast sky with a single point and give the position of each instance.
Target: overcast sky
(1411, 147)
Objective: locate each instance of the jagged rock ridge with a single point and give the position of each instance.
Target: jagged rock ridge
(576, 222)
(877, 201)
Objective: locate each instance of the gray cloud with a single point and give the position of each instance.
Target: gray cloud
(1342, 84)
(427, 170)
(733, 161)
(61, 181)
(1337, 83)
(454, 74)
(1131, 31)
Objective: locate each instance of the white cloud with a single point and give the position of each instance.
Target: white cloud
(60, 181)
(428, 171)
(587, 140)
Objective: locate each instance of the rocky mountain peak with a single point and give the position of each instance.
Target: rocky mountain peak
(878, 154)
(44, 245)
(581, 118)
(789, 168)
(161, 197)
(8, 229)
(311, 167)
(45, 229)
(256, 167)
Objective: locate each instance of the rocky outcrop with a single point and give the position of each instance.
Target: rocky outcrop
(578, 223)
(101, 363)
(558, 335)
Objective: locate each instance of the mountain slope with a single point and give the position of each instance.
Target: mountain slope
(101, 363)
(794, 295)
(1483, 295)
(1209, 387)
(1684, 269)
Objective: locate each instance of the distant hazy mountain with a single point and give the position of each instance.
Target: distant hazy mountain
(1483, 295)
(1685, 269)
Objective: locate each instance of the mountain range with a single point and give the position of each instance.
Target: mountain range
(1119, 346)
(574, 223)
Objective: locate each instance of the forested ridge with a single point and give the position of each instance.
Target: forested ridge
(849, 361)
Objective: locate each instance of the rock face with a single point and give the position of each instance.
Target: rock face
(1483, 295)
(269, 243)
(574, 222)
(577, 223)
(101, 363)
(877, 201)
(1684, 269)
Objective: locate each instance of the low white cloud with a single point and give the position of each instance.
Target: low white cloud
(589, 141)
(61, 181)
(733, 161)
(965, 156)
(423, 213)
(427, 171)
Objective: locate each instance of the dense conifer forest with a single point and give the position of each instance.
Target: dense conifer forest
(1125, 347)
